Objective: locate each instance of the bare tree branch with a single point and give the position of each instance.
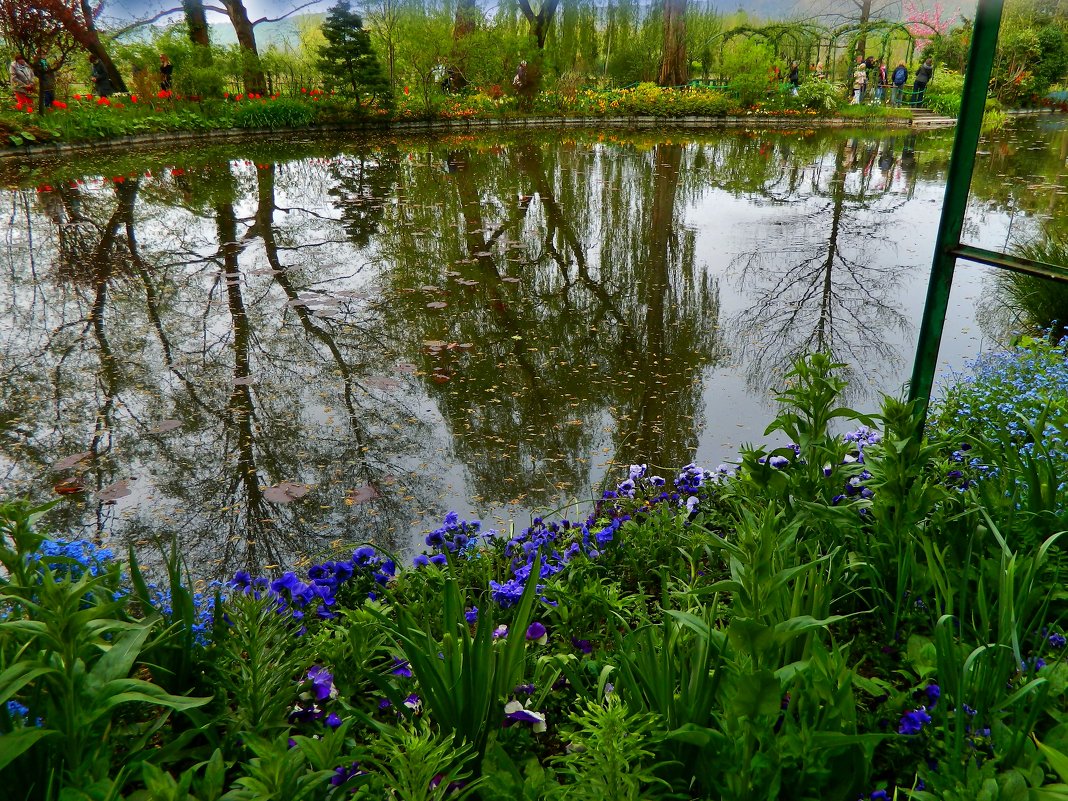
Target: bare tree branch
(289, 13)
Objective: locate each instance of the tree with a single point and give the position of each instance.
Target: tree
(30, 31)
(541, 21)
(196, 19)
(674, 69)
(382, 17)
(78, 19)
(348, 58)
(246, 38)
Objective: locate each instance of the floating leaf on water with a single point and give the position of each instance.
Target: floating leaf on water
(362, 494)
(285, 492)
(112, 492)
(69, 486)
(382, 382)
(437, 305)
(163, 426)
(74, 460)
(244, 381)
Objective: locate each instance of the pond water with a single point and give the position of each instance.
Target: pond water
(271, 349)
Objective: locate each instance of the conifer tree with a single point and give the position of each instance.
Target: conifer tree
(347, 59)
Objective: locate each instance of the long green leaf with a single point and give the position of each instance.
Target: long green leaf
(15, 744)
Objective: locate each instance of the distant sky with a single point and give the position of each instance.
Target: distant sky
(142, 9)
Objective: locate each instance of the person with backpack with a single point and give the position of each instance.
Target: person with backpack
(897, 80)
(923, 77)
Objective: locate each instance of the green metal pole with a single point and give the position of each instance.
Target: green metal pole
(958, 186)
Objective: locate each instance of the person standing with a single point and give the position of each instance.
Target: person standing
(46, 74)
(22, 83)
(794, 78)
(102, 85)
(860, 81)
(923, 77)
(520, 79)
(166, 69)
(901, 74)
(880, 76)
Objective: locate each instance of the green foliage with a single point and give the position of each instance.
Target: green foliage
(1037, 303)
(747, 64)
(609, 755)
(944, 92)
(418, 765)
(465, 678)
(347, 60)
(277, 770)
(820, 95)
(257, 664)
(280, 113)
(70, 656)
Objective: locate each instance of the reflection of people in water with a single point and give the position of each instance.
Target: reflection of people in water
(908, 153)
(886, 158)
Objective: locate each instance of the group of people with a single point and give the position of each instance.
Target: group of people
(872, 73)
(24, 79)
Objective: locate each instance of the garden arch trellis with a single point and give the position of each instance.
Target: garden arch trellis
(948, 245)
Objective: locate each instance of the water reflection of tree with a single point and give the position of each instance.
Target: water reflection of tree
(827, 294)
(187, 341)
(610, 317)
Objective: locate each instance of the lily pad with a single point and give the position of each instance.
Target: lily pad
(362, 494)
(112, 492)
(72, 461)
(285, 492)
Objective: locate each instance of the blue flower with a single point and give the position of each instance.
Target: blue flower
(322, 682)
(914, 721)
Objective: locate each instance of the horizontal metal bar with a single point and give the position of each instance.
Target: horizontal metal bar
(1006, 261)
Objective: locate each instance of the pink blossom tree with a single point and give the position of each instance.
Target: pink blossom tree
(924, 25)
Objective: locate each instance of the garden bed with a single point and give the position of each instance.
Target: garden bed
(126, 120)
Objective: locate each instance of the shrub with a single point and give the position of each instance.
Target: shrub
(820, 94)
(944, 92)
(280, 113)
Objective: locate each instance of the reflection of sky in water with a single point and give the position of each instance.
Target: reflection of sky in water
(623, 256)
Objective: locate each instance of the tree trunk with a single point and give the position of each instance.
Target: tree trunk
(865, 17)
(540, 22)
(246, 38)
(463, 25)
(197, 21)
(674, 70)
(84, 33)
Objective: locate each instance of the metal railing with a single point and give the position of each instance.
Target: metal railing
(948, 245)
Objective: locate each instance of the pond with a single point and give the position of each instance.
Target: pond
(268, 350)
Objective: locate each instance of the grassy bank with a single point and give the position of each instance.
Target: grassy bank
(849, 617)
